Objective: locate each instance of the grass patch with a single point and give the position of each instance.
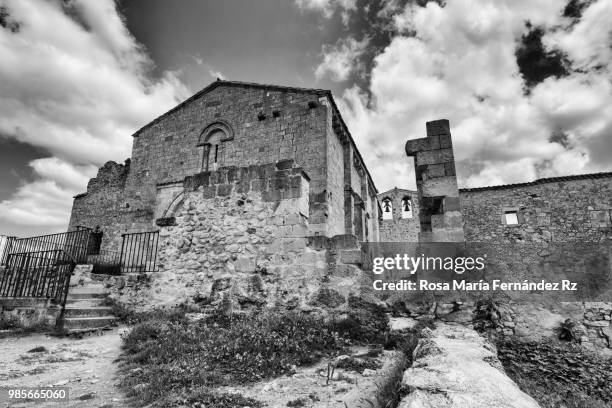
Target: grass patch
(168, 357)
(558, 375)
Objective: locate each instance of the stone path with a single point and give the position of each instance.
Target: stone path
(86, 366)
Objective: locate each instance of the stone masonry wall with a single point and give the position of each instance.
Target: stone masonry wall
(238, 239)
(557, 211)
(335, 183)
(104, 204)
(571, 210)
(439, 211)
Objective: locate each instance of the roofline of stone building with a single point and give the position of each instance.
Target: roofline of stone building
(398, 189)
(540, 181)
(219, 82)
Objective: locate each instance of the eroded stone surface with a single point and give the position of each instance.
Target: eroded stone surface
(457, 368)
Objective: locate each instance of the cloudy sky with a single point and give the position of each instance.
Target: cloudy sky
(526, 84)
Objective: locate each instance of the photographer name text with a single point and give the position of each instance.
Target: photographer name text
(494, 285)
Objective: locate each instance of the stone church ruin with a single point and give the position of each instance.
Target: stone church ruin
(249, 195)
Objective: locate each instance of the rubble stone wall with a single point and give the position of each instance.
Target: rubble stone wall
(238, 238)
(577, 209)
(104, 204)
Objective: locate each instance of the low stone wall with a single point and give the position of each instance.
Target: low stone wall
(29, 313)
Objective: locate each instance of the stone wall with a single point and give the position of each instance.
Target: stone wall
(104, 204)
(335, 183)
(562, 209)
(239, 231)
(29, 313)
(239, 238)
(399, 229)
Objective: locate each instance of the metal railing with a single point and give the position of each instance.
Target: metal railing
(41, 275)
(139, 252)
(6, 243)
(74, 243)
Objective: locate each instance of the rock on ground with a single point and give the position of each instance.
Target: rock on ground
(454, 367)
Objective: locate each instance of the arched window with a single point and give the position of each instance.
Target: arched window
(406, 207)
(212, 139)
(387, 209)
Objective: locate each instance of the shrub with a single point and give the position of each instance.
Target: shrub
(170, 357)
(204, 398)
(128, 316)
(358, 364)
(365, 322)
(558, 375)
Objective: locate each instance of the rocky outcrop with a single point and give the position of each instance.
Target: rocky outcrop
(454, 367)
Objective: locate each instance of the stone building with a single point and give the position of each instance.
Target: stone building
(226, 127)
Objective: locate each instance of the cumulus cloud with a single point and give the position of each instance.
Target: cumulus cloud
(459, 62)
(47, 201)
(75, 82)
(328, 7)
(342, 59)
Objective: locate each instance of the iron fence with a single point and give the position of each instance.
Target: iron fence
(73, 243)
(105, 262)
(42, 274)
(6, 243)
(139, 252)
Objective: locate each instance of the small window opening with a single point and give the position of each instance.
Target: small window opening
(406, 208)
(387, 209)
(511, 218)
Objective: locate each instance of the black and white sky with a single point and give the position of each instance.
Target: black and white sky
(526, 84)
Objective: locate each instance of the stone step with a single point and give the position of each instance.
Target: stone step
(88, 311)
(80, 303)
(88, 289)
(71, 323)
(82, 332)
(87, 295)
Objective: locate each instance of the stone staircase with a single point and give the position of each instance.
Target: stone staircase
(87, 310)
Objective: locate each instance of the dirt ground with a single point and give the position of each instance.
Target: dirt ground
(308, 387)
(85, 366)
